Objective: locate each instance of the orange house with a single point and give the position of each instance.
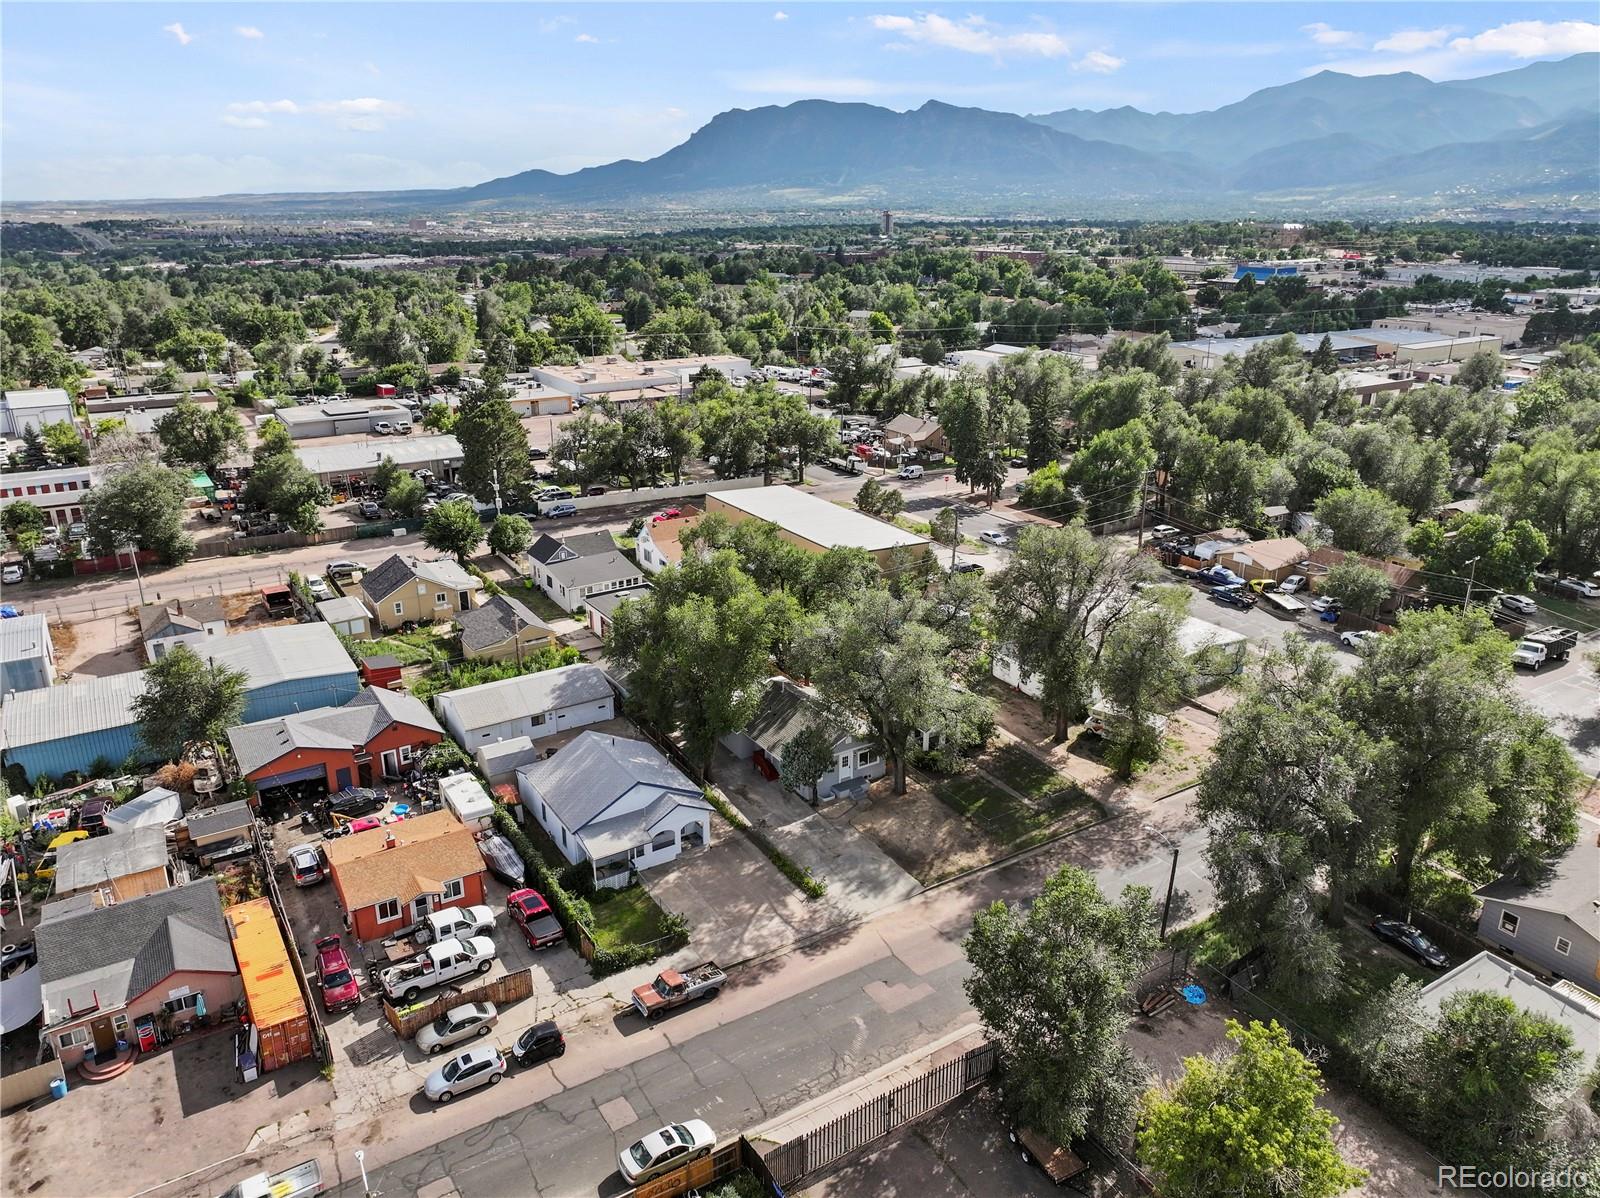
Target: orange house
(391, 876)
(373, 736)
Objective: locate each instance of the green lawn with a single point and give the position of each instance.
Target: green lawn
(417, 647)
(1012, 822)
(624, 917)
(1574, 613)
(1023, 772)
(537, 601)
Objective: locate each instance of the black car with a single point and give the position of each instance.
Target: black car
(1234, 597)
(535, 454)
(539, 1043)
(1410, 941)
(966, 568)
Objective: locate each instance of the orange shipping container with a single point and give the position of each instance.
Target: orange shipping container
(271, 991)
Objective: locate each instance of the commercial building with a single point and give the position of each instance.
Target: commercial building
(58, 493)
(355, 460)
(341, 417)
(22, 410)
(27, 655)
(619, 380)
(815, 524)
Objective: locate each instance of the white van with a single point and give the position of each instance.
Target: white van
(1104, 716)
(911, 472)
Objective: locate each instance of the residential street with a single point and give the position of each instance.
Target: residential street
(787, 1030)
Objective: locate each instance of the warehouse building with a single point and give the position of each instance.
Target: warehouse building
(342, 417)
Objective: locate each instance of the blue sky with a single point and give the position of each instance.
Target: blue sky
(118, 101)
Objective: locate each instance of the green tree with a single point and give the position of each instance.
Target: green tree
(385, 476)
(64, 444)
(280, 484)
(1554, 485)
(945, 527)
(187, 700)
(875, 499)
(21, 516)
(698, 649)
(806, 756)
(405, 497)
(139, 505)
(1042, 384)
(1110, 472)
(1061, 593)
(861, 376)
(440, 417)
(453, 527)
(1323, 359)
(975, 434)
(1144, 671)
(494, 448)
(199, 438)
(1481, 550)
(510, 535)
(1363, 520)
(680, 437)
(1481, 372)
(1245, 1124)
(1356, 587)
(1052, 984)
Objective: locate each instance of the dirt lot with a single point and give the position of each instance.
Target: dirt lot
(919, 833)
(96, 648)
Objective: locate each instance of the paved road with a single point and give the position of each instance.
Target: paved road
(781, 1035)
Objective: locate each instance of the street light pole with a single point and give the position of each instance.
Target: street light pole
(1172, 874)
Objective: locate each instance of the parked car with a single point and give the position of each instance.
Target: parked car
(538, 455)
(434, 966)
(548, 493)
(992, 536)
(301, 1181)
(1220, 576)
(539, 1043)
(1234, 597)
(556, 511)
(1357, 637)
(1523, 605)
(318, 587)
(479, 1066)
(530, 912)
(370, 509)
(1325, 603)
(1295, 582)
(1262, 585)
(673, 988)
(966, 568)
(665, 1150)
(1162, 531)
(1410, 941)
(341, 567)
(11, 575)
(459, 922)
(1583, 588)
(456, 1024)
(383, 428)
(305, 865)
(340, 991)
(911, 472)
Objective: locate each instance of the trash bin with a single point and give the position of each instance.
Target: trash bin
(58, 1087)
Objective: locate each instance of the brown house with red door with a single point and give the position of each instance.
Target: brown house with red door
(374, 736)
(391, 876)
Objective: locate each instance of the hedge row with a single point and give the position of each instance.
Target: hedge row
(573, 912)
(803, 879)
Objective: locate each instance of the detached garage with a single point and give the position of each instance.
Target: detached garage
(532, 705)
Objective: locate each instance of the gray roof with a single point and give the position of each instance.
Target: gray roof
(84, 864)
(607, 836)
(389, 575)
(591, 773)
(547, 549)
(38, 397)
(283, 653)
(1493, 973)
(24, 637)
(785, 710)
(154, 808)
(348, 727)
(607, 602)
(588, 571)
(190, 615)
(214, 821)
(1569, 889)
(407, 452)
(527, 694)
(55, 712)
(495, 621)
(342, 608)
(113, 954)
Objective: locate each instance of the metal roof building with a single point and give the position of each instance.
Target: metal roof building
(440, 454)
(27, 656)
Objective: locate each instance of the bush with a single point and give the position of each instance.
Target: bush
(808, 885)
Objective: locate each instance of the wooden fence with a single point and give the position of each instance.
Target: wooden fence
(807, 1155)
(730, 1158)
(510, 988)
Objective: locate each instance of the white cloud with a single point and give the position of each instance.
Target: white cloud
(249, 31)
(1326, 35)
(1532, 39)
(372, 69)
(1409, 41)
(364, 114)
(780, 15)
(970, 36)
(262, 106)
(804, 85)
(245, 122)
(178, 31)
(588, 39)
(1098, 62)
(552, 24)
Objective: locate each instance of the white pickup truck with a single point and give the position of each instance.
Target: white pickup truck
(301, 1181)
(434, 966)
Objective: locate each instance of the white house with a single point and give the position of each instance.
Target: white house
(1209, 647)
(27, 654)
(616, 803)
(34, 409)
(58, 493)
(571, 569)
(192, 622)
(530, 705)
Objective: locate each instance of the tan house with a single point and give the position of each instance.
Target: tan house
(403, 589)
(920, 435)
(500, 628)
(816, 525)
(1275, 559)
(115, 869)
(107, 972)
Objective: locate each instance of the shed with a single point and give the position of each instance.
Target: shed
(27, 655)
(154, 808)
(500, 760)
(381, 671)
(281, 1027)
(347, 616)
(215, 825)
(464, 795)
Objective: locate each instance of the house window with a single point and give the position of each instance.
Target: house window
(179, 1005)
(637, 851)
(1563, 945)
(388, 909)
(1508, 923)
(453, 889)
(399, 608)
(563, 838)
(405, 752)
(868, 757)
(545, 807)
(536, 719)
(73, 1037)
(119, 1024)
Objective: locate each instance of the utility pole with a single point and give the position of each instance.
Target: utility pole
(955, 540)
(133, 552)
(1144, 500)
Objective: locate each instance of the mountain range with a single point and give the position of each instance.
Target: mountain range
(1524, 140)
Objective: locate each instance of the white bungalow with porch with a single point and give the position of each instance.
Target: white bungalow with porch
(616, 803)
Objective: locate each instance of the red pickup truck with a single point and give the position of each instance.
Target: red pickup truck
(530, 912)
(340, 990)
